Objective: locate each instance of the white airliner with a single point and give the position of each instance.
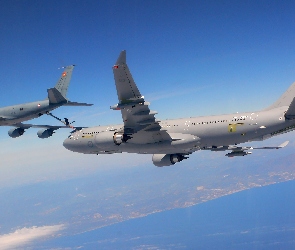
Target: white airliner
(171, 141)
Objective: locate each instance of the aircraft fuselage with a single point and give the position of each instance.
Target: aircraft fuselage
(23, 112)
(171, 141)
(195, 132)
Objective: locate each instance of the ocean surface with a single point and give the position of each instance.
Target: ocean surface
(259, 218)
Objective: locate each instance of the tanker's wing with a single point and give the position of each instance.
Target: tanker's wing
(44, 132)
(140, 125)
(26, 126)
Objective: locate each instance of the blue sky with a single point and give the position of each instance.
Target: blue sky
(216, 50)
(188, 58)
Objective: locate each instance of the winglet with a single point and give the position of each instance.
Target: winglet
(126, 88)
(122, 58)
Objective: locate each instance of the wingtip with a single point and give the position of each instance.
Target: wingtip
(122, 58)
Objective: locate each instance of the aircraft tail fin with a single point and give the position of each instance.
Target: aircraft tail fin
(64, 81)
(57, 95)
(287, 99)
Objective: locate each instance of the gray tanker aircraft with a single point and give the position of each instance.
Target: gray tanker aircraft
(171, 141)
(16, 114)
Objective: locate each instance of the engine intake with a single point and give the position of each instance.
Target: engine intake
(162, 160)
(16, 132)
(45, 133)
(120, 138)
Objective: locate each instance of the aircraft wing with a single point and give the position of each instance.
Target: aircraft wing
(140, 125)
(45, 132)
(26, 126)
(277, 147)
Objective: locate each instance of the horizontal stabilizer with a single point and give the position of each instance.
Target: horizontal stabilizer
(55, 96)
(284, 144)
(278, 147)
(242, 151)
(69, 103)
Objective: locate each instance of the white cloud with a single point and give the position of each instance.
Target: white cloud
(25, 236)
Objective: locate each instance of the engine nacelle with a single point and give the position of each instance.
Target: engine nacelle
(45, 133)
(16, 132)
(118, 138)
(162, 160)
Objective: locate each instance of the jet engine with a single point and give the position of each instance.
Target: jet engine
(16, 132)
(120, 138)
(109, 139)
(161, 160)
(45, 133)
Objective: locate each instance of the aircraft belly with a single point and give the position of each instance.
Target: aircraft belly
(151, 148)
(23, 118)
(155, 148)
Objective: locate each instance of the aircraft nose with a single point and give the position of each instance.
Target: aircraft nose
(70, 144)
